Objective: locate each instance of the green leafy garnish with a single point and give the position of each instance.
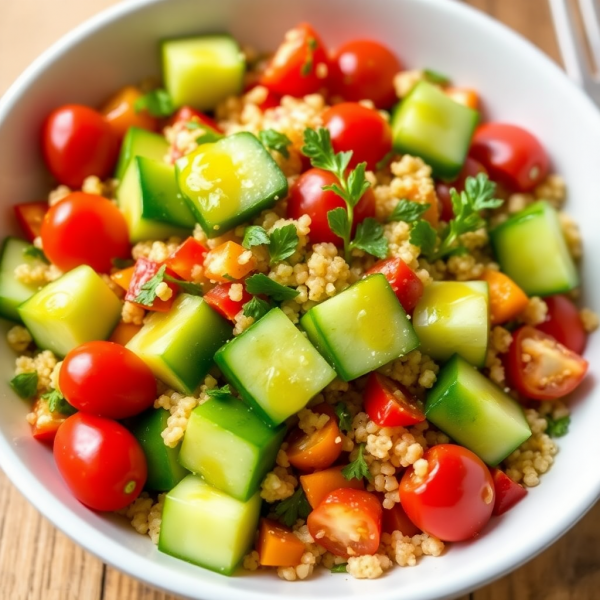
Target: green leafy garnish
(293, 508)
(208, 137)
(358, 468)
(58, 404)
(254, 235)
(122, 263)
(344, 417)
(275, 140)
(436, 77)
(284, 242)
(557, 427)
(193, 289)
(369, 238)
(424, 236)
(147, 293)
(191, 125)
(25, 385)
(261, 284)
(221, 393)
(340, 568)
(256, 308)
(408, 211)
(307, 67)
(157, 102)
(36, 253)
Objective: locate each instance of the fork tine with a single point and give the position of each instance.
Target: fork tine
(590, 14)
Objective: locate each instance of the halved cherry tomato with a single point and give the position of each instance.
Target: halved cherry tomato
(225, 263)
(107, 380)
(121, 114)
(307, 197)
(188, 114)
(77, 142)
(44, 423)
(507, 299)
(123, 332)
(30, 216)
(101, 462)
(540, 368)
(317, 485)
(219, 299)
(359, 129)
(508, 493)
(84, 229)
(511, 155)
(123, 277)
(347, 523)
(186, 257)
(395, 519)
(564, 324)
(364, 69)
(389, 404)
(454, 501)
(405, 283)
(277, 545)
(144, 271)
(464, 96)
(300, 65)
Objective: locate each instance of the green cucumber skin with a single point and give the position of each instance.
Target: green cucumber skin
(140, 142)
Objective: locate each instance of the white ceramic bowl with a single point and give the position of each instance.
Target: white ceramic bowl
(519, 85)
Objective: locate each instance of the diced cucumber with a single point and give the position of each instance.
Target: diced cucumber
(427, 123)
(474, 412)
(151, 203)
(76, 308)
(164, 470)
(140, 142)
(206, 527)
(227, 443)
(453, 317)
(531, 249)
(229, 181)
(202, 71)
(274, 367)
(360, 329)
(12, 291)
(179, 345)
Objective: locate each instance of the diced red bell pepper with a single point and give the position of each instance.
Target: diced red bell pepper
(187, 113)
(405, 283)
(144, 271)
(30, 216)
(186, 257)
(388, 404)
(45, 423)
(218, 298)
(508, 492)
(395, 519)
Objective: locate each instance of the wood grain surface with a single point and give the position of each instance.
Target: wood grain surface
(39, 563)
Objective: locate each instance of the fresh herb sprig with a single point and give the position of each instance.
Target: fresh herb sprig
(293, 508)
(147, 293)
(256, 308)
(282, 242)
(25, 385)
(358, 468)
(275, 140)
(221, 393)
(36, 253)
(58, 404)
(344, 417)
(558, 427)
(157, 102)
(260, 284)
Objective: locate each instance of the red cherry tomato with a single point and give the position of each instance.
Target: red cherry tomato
(364, 69)
(107, 380)
(540, 368)
(83, 229)
(395, 519)
(30, 216)
(359, 129)
(307, 197)
(219, 299)
(100, 461)
(190, 254)
(564, 324)
(77, 142)
(300, 65)
(508, 493)
(347, 522)
(405, 283)
(143, 272)
(389, 404)
(454, 501)
(511, 155)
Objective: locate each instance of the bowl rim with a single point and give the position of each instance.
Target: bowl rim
(135, 564)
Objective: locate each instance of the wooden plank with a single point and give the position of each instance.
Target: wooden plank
(121, 587)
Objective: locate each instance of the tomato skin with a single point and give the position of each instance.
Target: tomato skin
(395, 519)
(564, 324)
(508, 493)
(218, 299)
(144, 270)
(511, 154)
(364, 69)
(552, 370)
(77, 142)
(186, 257)
(101, 462)
(359, 129)
(455, 500)
(107, 380)
(346, 512)
(84, 229)
(30, 216)
(405, 283)
(307, 197)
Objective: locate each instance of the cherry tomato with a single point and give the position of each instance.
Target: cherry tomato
(347, 522)
(300, 65)
(219, 299)
(121, 114)
(454, 501)
(83, 229)
(107, 380)
(508, 493)
(190, 254)
(389, 404)
(144, 271)
(364, 69)
(77, 142)
(100, 461)
(44, 423)
(511, 155)
(540, 368)
(406, 285)
(30, 216)
(395, 519)
(359, 129)
(564, 324)
(307, 197)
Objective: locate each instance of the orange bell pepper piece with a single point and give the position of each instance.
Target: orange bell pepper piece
(123, 277)
(466, 96)
(317, 485)
(507, 299)
(278, 546)
(123, 332)
(228, 261)
(120, 112)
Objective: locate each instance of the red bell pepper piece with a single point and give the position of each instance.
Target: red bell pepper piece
(144, 271)
(406, 285)
(186, 257)
(30, 216)
(44, 429)
(395, 519)
(187, 113)
(508, 492)
(218, 298)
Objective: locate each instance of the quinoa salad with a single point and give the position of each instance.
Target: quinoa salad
(296, 310)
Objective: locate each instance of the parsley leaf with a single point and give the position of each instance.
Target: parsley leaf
(261, 284)
(219, 393)
(147, 293)
(317, 146)
(193, 289)
(254, 235)
(340, 568)
(293, 508)
(157, 102)
(338, 222)
(358, 468)
(32, 252)
(408, 211)
(25, 384)
(208, 137)
(423, 235)
(58, 404)
(436, 77)
(344, 417)
(370, 238)
(558, 427)
(284, 242)
(275, 140)
(122, 263)
(256, 308)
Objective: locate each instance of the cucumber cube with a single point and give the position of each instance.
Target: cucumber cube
(179, 345)
(361, 329)
(77, 308)
(453, 317)
(227, 443)
(206, 527)
(474, 412)
(140, 142)
(274, 367)
(229, 181)
(202, 71)
(531, 250)
(427, 123)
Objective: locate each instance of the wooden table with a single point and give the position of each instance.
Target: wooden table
(39, 563)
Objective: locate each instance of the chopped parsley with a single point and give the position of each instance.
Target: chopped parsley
(256, 308)
(25, 385)
(344, 417)
(358, 468)
(36, 253)
(58, 404)
(558, 427)
(157, 102)
(261, 284)
(274, 140)
(219, 393)
(293, 508)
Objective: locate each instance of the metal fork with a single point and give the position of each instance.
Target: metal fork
(572, 45)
